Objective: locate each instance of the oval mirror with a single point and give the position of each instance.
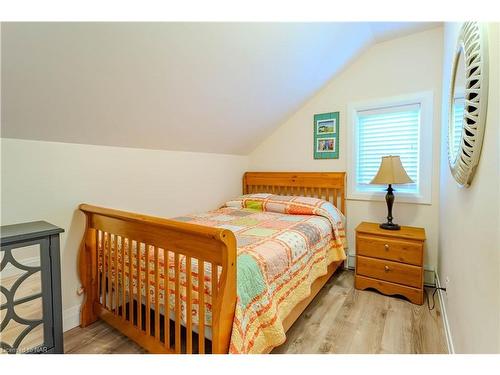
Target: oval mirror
(468, 102)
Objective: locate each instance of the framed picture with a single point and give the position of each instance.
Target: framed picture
(326, 135)
(326, 126)
(325, 144)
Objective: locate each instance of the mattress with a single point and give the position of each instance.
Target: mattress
(283, 244)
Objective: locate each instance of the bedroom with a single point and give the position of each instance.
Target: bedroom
(138, 139)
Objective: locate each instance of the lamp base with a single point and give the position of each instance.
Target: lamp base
(390, 226)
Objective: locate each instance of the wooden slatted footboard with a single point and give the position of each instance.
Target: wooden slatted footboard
(118, 244)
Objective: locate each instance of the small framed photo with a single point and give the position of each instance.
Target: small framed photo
(326, 126)
(325, 145)
(326, 135)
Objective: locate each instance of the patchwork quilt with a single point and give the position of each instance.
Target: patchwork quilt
(284, 244)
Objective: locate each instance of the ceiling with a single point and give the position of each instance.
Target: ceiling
(205, 87)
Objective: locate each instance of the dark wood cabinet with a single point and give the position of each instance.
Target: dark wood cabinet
(30, 284)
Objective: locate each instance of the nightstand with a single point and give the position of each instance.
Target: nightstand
(391, 261)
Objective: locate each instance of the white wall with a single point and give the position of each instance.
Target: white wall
(469, 223)
(399, 66)
(48, 180)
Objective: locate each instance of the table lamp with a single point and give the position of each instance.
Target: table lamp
(390, 172)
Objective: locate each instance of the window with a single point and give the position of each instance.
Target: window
(458, 118)
(398, 126)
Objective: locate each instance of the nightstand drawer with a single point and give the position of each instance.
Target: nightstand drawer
(390, 271)
(390, 249)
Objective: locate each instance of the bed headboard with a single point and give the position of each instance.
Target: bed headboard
(325, 185)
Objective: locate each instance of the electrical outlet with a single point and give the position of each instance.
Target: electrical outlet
(446, 282)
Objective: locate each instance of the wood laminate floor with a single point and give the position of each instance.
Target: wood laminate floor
(339, 320)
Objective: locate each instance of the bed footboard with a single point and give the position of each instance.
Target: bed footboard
(119, 247)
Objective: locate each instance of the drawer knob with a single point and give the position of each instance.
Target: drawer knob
(386, 246)
(386, 268)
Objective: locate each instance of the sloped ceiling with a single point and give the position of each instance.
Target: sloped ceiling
(209, 87)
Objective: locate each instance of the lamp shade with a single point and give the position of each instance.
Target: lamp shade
(391, 171)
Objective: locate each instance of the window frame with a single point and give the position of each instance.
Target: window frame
(425, 147)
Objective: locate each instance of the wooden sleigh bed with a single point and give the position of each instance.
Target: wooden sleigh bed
(144, 321)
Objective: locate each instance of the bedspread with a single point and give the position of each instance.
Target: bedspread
(284, 244)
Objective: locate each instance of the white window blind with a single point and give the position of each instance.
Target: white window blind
(388, 131)
(458, 117)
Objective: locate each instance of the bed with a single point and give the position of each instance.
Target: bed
(278, 240)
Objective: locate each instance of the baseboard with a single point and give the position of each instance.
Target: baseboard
(446, 324)
(10, 270)
(71, 318)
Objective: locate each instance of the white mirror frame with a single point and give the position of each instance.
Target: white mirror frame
(473, 44)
